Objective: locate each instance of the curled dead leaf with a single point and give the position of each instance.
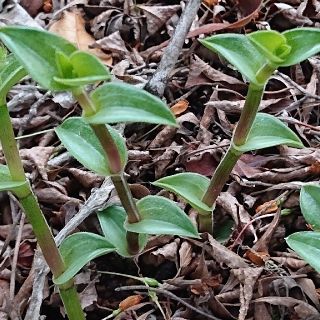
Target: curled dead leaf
(267, 207)
(180, 107)
(130, 302)
(257, 257)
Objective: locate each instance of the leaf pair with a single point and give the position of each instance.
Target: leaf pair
(250, 53)
(52, 61)
(307, 243)
(57, 65)
(158, 216)
(267, 131)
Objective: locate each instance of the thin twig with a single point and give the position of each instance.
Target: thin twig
(296, 86)
(159, 80)
(15, 259)
(170, 295)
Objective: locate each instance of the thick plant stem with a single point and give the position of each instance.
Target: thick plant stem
(228, 162)
(248, 114)
(35, 216)
(130, 207)
(109, 147)
(9, 146)
(113, 157)
(217, 182)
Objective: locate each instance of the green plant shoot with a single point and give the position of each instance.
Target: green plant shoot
(57, 65)
(13, 179)
(256, 55)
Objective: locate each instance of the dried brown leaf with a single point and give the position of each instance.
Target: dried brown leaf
(130, 302)
(247, 278)
(185, 254)
(39, 156)
(157, 16)
(223, 255)
(71, 26)
(303, 309)
(180, 107)
(203, 73)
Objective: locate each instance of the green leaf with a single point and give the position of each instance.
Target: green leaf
(120, 102)
(80, 140)
(36, 51)
(268, 131)
(239, 51)
(304, 43)
(64, 65)
(307, 246)
(11, 72)
(223, 231)
(78, 249)
(6, 182)
(112, 221)
(160, 215)
(269, 42)
(190, 186)
(86, 69)
(310, 205)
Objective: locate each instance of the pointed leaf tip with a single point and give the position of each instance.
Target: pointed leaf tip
(160, 215)
(190, 186)
(112, 221)
(239, 51)
(79, 249)
(304, 43)
(268, 131)
(80, 140)
(120, 102)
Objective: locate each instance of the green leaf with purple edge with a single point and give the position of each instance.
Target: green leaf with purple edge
(121, 102)
(160, 215)
(79, 249)
(80, 140)
(189, 186)
(112, 221)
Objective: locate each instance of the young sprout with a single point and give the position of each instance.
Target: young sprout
(256, 55)
(13, 179)
(57, 65)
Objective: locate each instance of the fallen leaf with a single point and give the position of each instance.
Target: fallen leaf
(130, 302)
(157, 16)
(223, 255)
(180, 107)
(202, 73)
(185, 254)
(267, 207)
(247, 278)
(39, 156)
(71, 26)
(257, 257)
(32, 7)
(89, 295)
(210, 2)
(303, 309)
(113, 43)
